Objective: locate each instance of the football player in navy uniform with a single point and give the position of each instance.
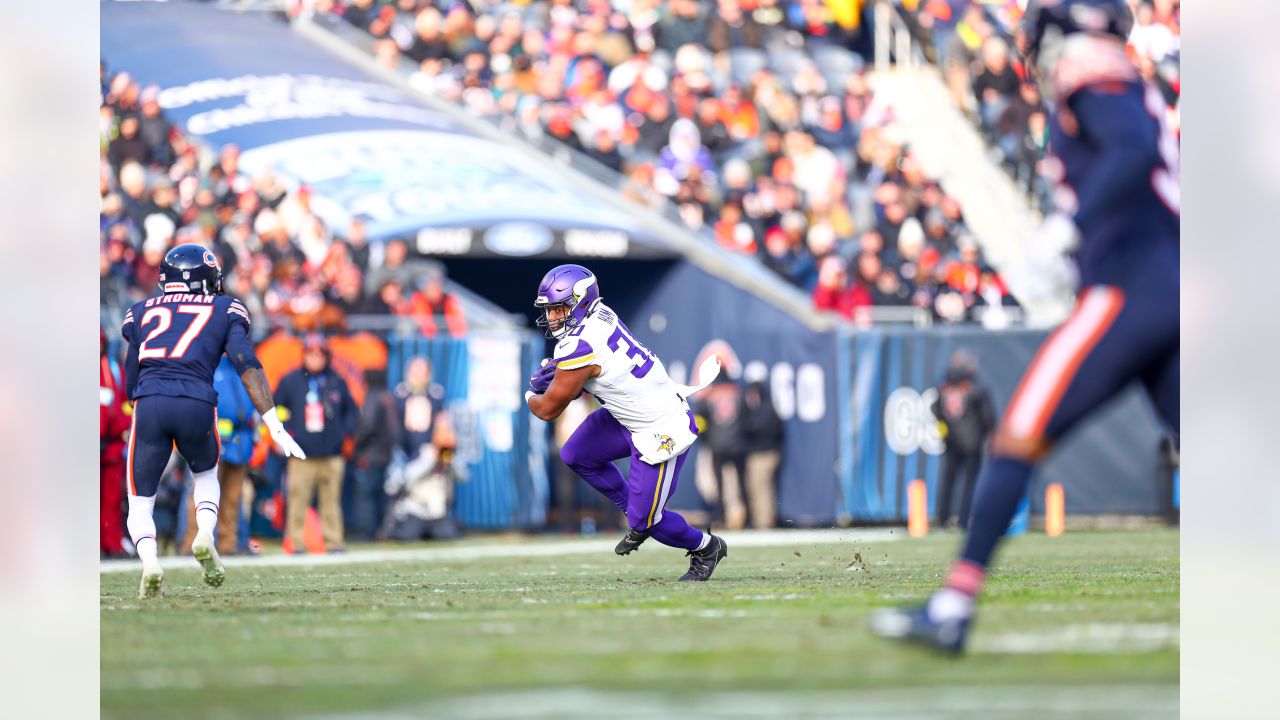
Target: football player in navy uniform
(1117, 215)
(176, 340)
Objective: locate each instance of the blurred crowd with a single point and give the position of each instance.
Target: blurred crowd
(159, 189)
(753, 118)
(974, 43)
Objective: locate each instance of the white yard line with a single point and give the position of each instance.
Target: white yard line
(1089, 638)
(532, 547)
(1131, 702)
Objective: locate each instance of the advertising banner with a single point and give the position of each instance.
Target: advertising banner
(1109, 465)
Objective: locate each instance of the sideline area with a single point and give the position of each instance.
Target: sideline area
(512, 547)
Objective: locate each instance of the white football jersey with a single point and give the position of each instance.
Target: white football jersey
(633, 385)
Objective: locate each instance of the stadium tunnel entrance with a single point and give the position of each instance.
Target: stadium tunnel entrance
(512, 284)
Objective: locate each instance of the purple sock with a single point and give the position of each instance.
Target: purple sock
(674, 531)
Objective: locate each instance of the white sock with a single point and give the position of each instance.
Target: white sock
(142, 528)
(948, 604)
(706, 538)
(206, 492)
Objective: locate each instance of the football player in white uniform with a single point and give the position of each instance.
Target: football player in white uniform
(645, 416)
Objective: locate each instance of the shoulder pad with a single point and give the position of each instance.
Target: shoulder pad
(1088, 61)
(572, 353)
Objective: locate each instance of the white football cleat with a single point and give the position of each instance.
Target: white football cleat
(207, 555)
(152, 582)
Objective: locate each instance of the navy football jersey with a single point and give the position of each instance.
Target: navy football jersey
(1114, 160)
(176, 341)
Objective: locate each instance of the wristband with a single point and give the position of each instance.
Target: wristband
(528, 394)
(271, 419)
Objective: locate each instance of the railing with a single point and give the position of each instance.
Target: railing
(894, 44)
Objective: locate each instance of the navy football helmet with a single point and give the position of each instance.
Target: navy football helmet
(190, 268)
(1048, 22)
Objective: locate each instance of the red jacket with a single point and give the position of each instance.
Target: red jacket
(844, 301)
(425, 314)
(113, 422)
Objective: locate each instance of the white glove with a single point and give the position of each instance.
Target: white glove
(1052, 274)
(284, 441)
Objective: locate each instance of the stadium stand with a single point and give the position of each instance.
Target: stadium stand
(972, 42)
(753, 120)
(159, 189)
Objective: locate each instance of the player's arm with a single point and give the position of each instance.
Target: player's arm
(1117, 122)
(240, 351)
(565, 387)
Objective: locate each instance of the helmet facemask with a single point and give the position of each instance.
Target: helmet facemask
(558, 327)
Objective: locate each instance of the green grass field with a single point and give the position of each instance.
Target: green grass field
(1084, 625)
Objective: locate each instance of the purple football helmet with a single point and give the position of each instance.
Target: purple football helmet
(572, 286)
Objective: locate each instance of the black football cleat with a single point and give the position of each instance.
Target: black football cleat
(703, 562)
(632, 541)
(913, 626)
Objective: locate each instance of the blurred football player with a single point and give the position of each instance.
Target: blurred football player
(175, 341)
(1117, 213)
(645, 416)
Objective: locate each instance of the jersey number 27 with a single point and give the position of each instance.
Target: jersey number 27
(164, 318)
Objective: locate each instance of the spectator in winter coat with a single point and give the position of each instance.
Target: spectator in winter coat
(725, 438)
(320, 414)
(683, 153)
(763, 433)
(377, 435)
(113, 424)
(967, 414)
(419, 409)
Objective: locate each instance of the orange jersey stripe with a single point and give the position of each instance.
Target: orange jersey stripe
(1056, 364)
(133, 436)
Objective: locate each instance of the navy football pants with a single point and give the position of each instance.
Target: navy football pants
(161, 424)
(1115, 336)
(1112, 338)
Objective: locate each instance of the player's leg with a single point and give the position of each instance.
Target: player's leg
(591, 450)
(1099, 350)
(195, 430)
(1103, 346)
(650, 488)
(147, 455)
(1164, 388)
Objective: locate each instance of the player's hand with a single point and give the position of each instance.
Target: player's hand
(541, 379)
(1053, 275)
(287, 445)
(283, 440)
(1055, 237)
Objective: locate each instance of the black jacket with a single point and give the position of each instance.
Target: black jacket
(340, 412)
(721, 406)
(377, 430)
(969, 424)
(761, 425)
